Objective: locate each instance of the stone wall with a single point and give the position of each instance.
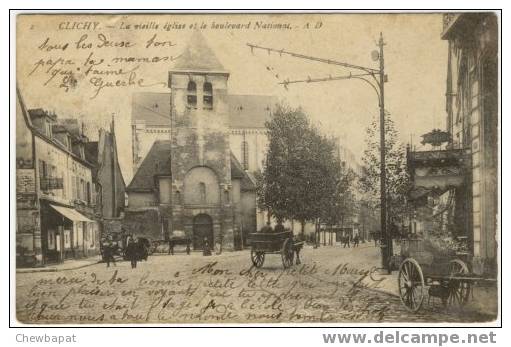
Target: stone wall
(199, 151)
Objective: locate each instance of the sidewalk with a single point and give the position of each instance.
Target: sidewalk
(483, 299)
(66, 265)
(73, 264)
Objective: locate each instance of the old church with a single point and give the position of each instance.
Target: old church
(194, 152)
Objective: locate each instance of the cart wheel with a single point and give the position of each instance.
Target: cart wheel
(459, 291)
(257, 258)
(411, 284)
(287, 253)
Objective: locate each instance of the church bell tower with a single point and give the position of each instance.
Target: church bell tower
(200, 152)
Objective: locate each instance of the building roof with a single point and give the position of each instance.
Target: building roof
(198, 56)
(248, 182)
(151, 108)
(23, 108)
(461, 23)
(66, 124)
(91, 151)
(245, 111)
(73, 126)
(250, 111)
(236, 168)
(157, 163)
(39, 112)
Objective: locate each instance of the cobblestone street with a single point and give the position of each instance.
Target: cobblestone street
(331, 285)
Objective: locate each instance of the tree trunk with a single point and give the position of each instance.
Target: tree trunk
(324, 234)
(316, 236)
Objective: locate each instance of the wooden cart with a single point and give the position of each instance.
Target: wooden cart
(175, 240)
(423, 272)
(274, 243)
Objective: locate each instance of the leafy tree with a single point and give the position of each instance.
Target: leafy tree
(397, 178)
(302, 177)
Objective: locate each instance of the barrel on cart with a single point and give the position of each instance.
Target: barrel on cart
(274, 243)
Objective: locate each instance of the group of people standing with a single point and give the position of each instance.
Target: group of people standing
(268, 229)
(133, 251)
(347, 239)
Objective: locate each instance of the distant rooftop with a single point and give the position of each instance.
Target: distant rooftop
(152, 108)
(245, 111)
(250, 111)
(157, 163)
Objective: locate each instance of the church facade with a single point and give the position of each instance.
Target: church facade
(247, 133)
(194, 151)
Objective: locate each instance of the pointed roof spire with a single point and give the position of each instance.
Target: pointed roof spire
(112, 124)
(198, 56)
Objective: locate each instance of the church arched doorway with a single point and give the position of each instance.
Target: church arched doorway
(202, 228)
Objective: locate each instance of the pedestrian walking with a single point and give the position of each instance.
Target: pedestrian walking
(375, 237)
(346, 241)
(131, 252)
(356, 240)
(206, 250)
(108, 253)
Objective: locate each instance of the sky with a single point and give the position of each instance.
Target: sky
(415, 62)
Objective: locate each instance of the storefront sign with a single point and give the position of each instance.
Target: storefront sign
(25, 181)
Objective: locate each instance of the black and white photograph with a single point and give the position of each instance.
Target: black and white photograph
(257, 168)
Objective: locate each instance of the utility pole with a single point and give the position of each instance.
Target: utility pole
(376, 78)
(387, 239)
(113, 161)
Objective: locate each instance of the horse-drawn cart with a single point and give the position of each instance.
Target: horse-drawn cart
(424, 271)
(274, 243)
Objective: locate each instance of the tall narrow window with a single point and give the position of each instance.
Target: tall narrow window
(43, 169)
(88, 193)
(208, 96)
(202, 191)
(77, 187)
(82, 190)
(226, 197)
(192, 94)
(244, 148)
(73, 187)
(48, 129)
(43, 175)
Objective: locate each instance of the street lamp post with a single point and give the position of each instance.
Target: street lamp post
(377, 85)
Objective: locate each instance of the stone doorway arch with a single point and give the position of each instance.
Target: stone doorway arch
(202, 228)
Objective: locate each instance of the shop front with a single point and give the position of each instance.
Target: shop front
(66, 234)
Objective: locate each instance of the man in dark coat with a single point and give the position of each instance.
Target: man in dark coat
(206, 251)
(356, 240)
(108, 253)
(267, 228)
(279, 228)
(132, 253)
(346, 240)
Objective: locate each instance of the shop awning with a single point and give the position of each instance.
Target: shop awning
(71, 214)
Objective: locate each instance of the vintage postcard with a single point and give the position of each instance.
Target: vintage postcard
(275, 168)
